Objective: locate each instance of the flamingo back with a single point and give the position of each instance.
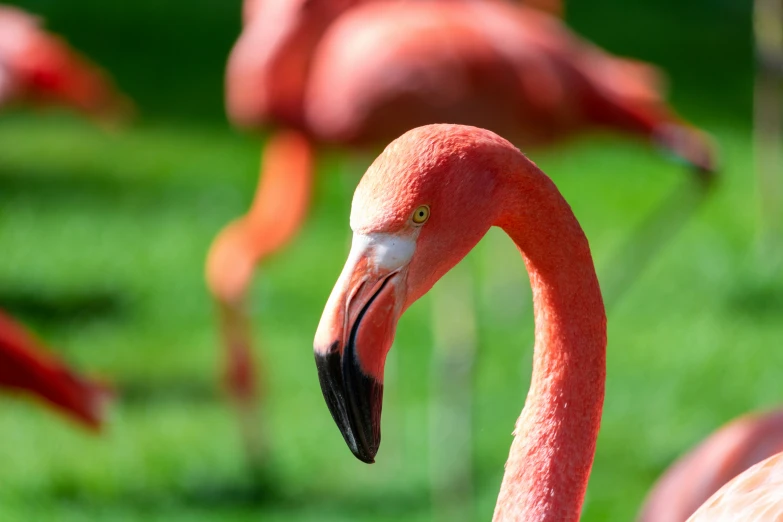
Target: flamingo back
(386, 67)
(688, 483)
(754, 496)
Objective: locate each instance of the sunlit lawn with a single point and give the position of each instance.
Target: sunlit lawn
(103, 238)
(102, 241)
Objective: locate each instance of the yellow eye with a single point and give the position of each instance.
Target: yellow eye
(421, 215)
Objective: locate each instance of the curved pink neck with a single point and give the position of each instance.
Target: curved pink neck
(552, 453)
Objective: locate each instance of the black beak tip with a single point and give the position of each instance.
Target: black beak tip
(363, 454)
(354, 400)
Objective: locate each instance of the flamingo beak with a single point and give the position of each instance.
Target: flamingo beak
(355, 334)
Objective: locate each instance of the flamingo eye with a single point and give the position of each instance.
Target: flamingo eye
(421, 215)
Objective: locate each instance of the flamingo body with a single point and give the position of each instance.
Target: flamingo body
(383, 68)
(361, 73)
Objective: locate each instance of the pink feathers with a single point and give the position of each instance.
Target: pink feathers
(727, 453)
(754, 496)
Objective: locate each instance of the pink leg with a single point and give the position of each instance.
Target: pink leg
(276, 214)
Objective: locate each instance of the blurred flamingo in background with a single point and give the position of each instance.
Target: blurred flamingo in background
(695, 477)
(39, 68)
(25, 366)
(420, 208)
(335, 72)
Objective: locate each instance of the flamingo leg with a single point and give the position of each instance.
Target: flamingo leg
(276, 214)
(451, 412)
(768, 124)
(650, 237)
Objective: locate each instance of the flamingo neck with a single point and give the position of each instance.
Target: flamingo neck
(552, 453)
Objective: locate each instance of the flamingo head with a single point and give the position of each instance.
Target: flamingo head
(419, 209)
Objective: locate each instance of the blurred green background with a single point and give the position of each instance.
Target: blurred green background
(103, 236)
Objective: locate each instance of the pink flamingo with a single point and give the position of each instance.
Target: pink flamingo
(420, 208)
(40, 68)
(695, 477)
(356, 75)
(25, 366)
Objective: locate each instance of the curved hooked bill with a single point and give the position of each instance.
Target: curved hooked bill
(359, 319)
(354, 398)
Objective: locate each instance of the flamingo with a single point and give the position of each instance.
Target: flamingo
(40, 68)
(355, 75)
(27, 367)
(419, 209)
(695, 477)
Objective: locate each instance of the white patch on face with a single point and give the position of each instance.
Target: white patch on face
(384, 254)
(387, 251)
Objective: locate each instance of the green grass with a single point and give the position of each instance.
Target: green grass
(103, 239)
(103, 242)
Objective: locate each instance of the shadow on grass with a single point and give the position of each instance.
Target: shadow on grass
(173, 390)
(64, 184)
(91, 189)
(757, 301)
(263, 492)
(72, 307)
